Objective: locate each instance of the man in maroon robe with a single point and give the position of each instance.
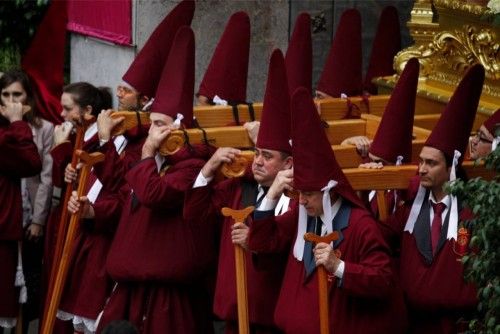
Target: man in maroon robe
(20, 159)
(206, 200)
(430, 227)
(360, 274)
(157, 256)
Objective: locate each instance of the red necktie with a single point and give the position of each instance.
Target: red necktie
(437, 223)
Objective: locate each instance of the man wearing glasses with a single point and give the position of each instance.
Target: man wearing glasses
(484, 141)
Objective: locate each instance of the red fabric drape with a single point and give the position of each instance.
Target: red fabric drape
(44, 60)
(110, 20)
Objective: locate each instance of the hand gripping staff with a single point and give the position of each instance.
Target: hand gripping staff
(322, 280)
(239, 216)
(54, 298)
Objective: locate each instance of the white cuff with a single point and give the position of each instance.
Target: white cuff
(340, 270)
(201, 181)
(267, 204)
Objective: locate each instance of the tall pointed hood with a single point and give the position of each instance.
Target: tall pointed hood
(342, 71)
(298, 57)
(386, 44)
(394, 134)
(274, 132)
(145, 71)
(451, 136)
(176, 88)
(314, 163)
(226, 75)
(44, 60)
(454, 126)
(492, 122)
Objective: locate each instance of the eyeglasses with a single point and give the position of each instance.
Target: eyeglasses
(123, 90)
(482, 137)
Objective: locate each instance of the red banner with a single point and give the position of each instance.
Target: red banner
(110, 20)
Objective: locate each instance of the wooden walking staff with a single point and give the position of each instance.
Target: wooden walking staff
(61, 229)
(239, 216)
(88, 161)
(322, 281)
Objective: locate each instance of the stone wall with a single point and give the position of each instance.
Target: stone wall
(271, 21)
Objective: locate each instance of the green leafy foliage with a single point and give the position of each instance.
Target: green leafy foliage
(483, 266)
(18, 22)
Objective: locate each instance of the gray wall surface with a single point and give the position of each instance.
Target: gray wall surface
(272, 21)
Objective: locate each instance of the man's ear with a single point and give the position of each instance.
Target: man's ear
(289, 162)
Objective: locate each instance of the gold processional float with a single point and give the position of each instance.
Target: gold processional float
(448, 40)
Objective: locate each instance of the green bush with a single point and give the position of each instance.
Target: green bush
(483, 266)
(18, 22)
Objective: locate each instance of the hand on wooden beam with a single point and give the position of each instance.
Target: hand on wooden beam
(223, 155)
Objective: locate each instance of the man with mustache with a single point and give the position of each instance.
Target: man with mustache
(205, 200)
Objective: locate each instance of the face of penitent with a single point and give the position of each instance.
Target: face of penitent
(266, 165)
(128, 98)
(312, 202)
(432, 168)
(481, 143)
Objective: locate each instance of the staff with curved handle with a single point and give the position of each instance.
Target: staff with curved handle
(54, 298)
(239, 216)
(61, 230)
(322, 280)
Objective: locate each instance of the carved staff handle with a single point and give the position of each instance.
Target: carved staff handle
(239, 216)
(322, 281)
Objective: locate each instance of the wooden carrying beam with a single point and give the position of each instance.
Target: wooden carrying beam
(387, 178)
(330, 109)
(236, 136)
(221, 116)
